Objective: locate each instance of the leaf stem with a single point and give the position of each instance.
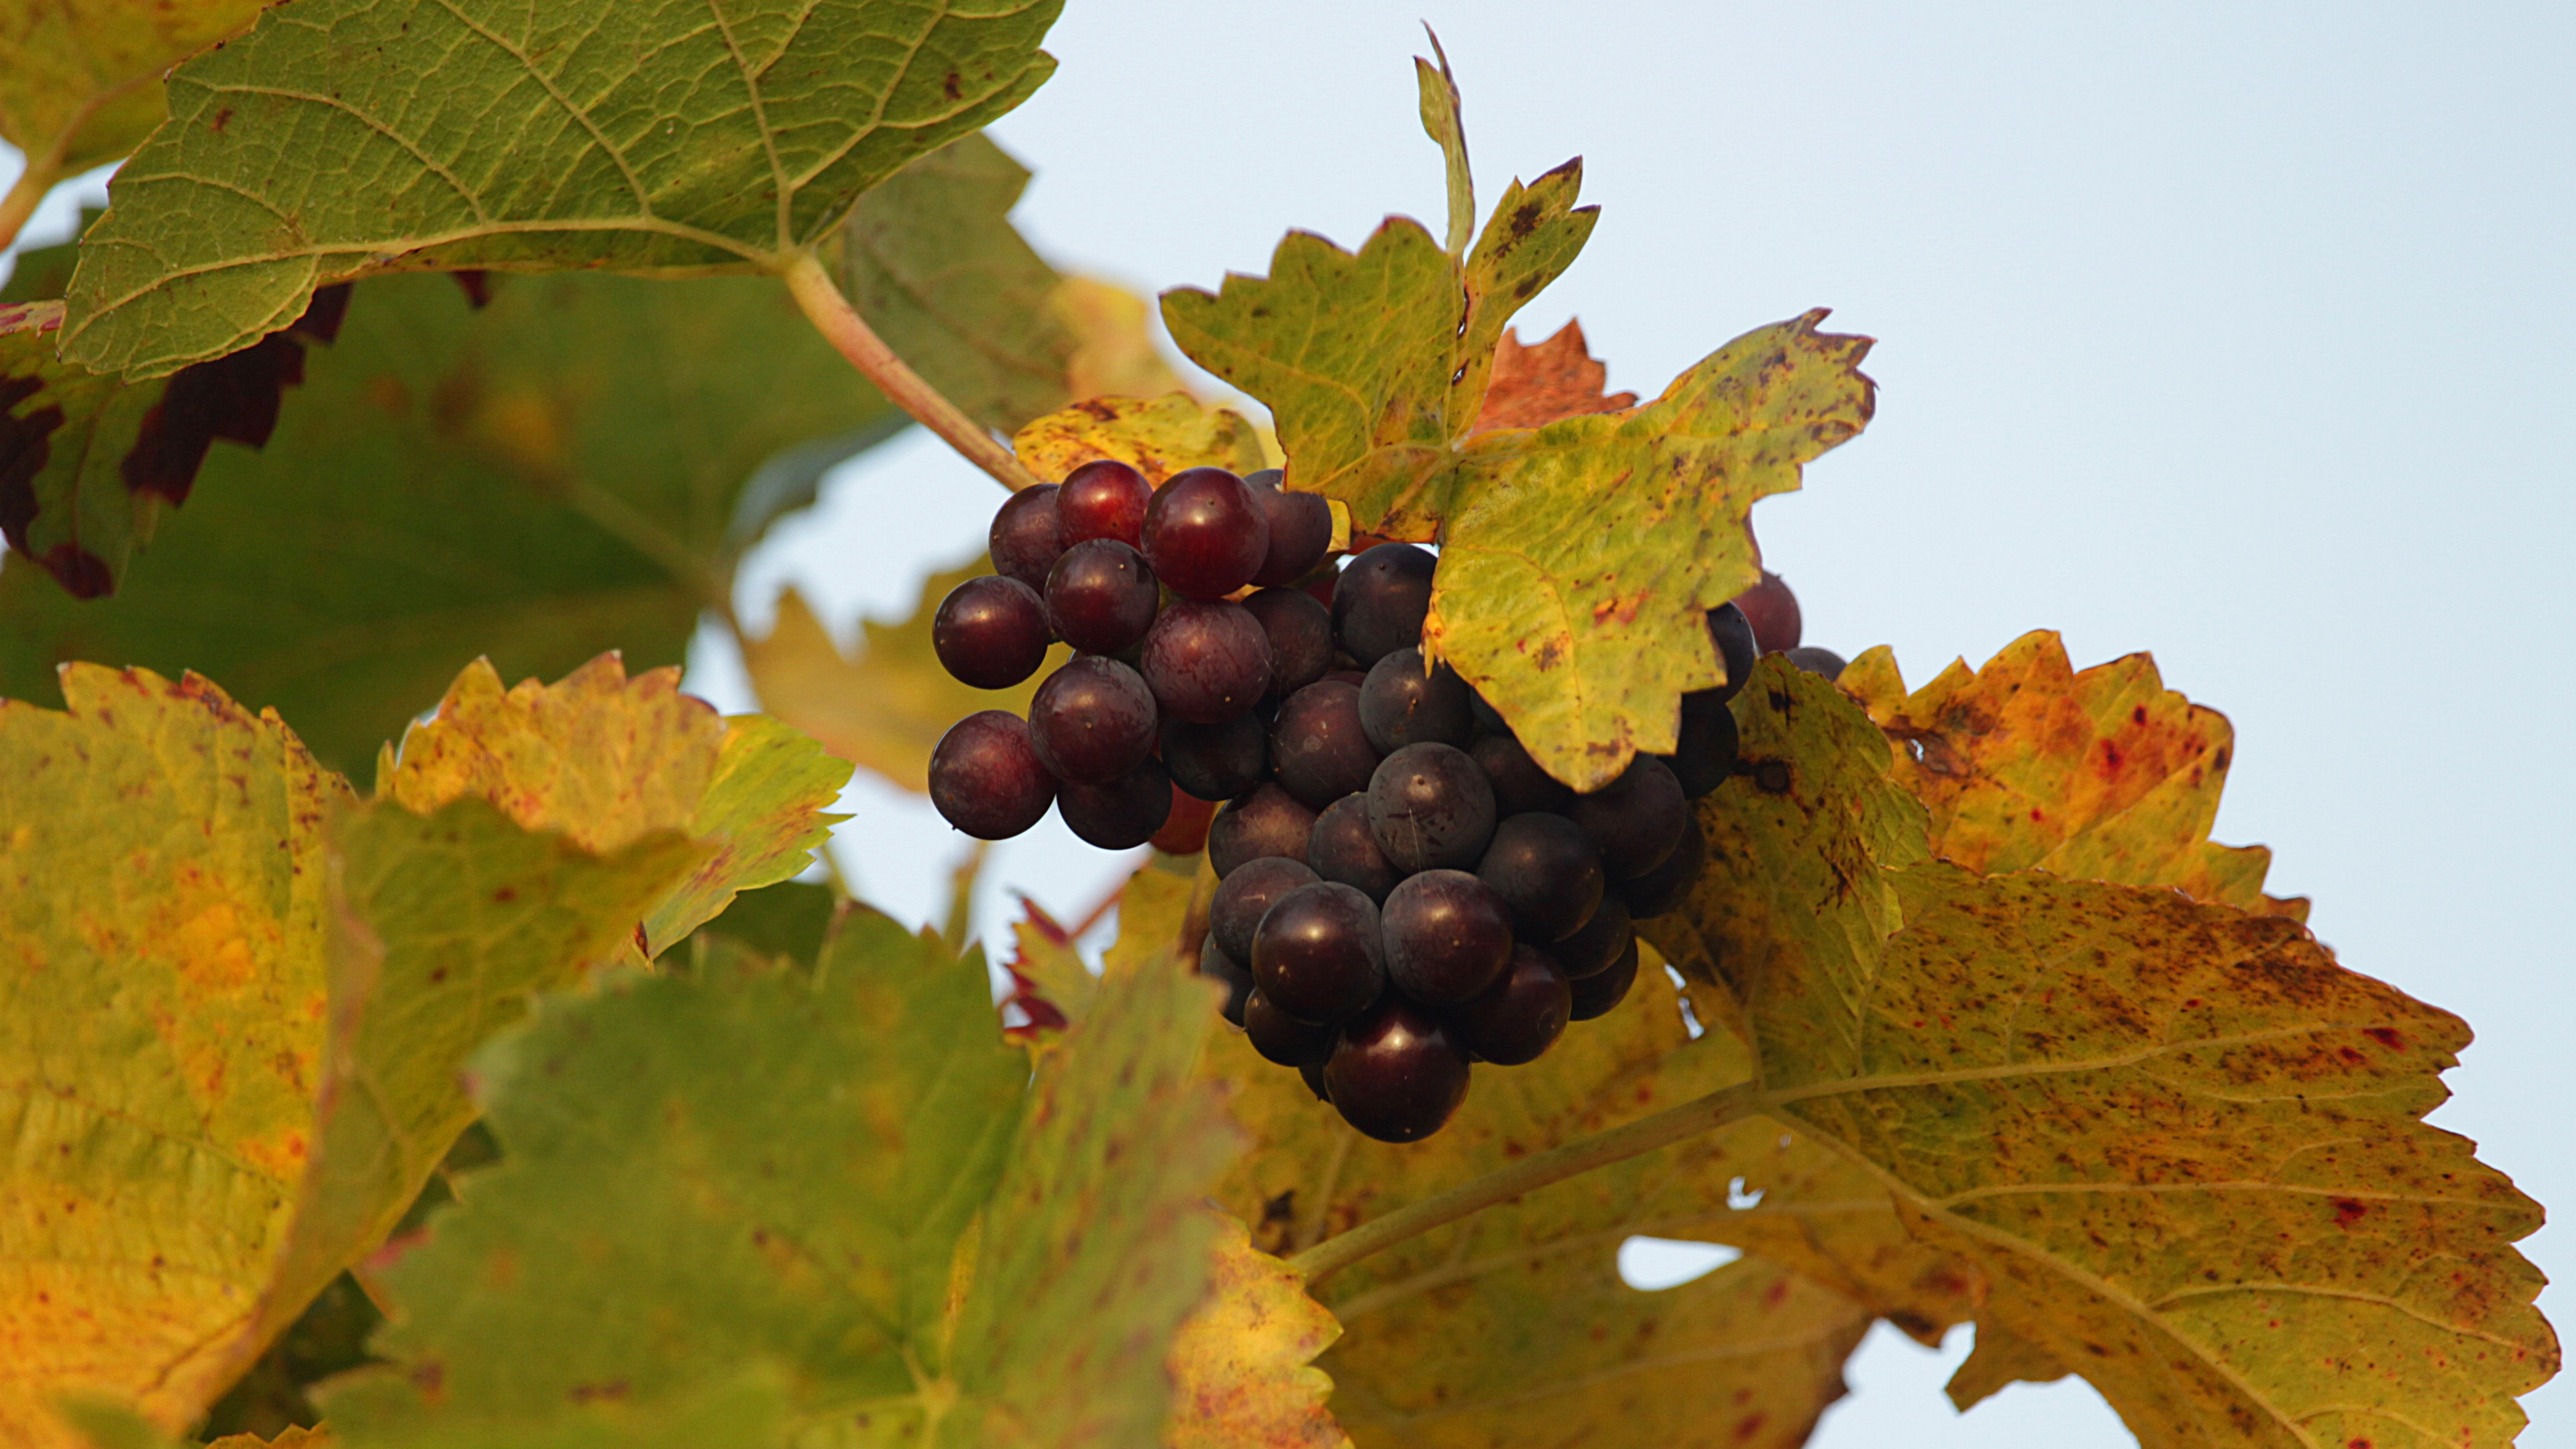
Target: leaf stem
(849, 333)
(25, 194)
(1700, 1114)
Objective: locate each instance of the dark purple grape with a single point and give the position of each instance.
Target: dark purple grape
(1635, 820)
(1317, 953)
(1218, 761)
(1395, 1075)
(1283, 1038)
(1732, 633)
(1660, 890)
(986, 780)
(1595, 994)
(1218, 966)
(1118, 814)
(1401, 705)
(1431, 808)
(990, 632)
(1704, 755)
(1313, 1077)
(1772, 612)
(1092, 720)
(1545, 870)
(1380, 600)
(1269, 821)
(1519, 784)
(1301, 637)
(1317, 746)
(1515, 1020)
(1301, 528)
(1103, 499)
(1206, 662)
(1595, 948)
(1248, 891)
(1343, 848)
(1026, 538)
(1206, 533)
(1100, 596)
(1447, 936)
(1817, 661)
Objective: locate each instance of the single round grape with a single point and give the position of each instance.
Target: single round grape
(990, 632)
(1732, 633)
(1772, 611)
(1100, 596)
(1301, 528)
(1659, 891)
(1206, 533)
(1206, 662)
(1704, 755)
(1283, 1038)
(1103, 499)
(1237, 977)
(1431, 808)
(1343, 848)
(1402, 705)
(1317, 953)
(1269, 821)
(1317, 745)
(1595, 994)
(1395, 1075)
(1547, 873)
(1092, 720)
(985, 778)
(1218, 761)
(1301, 637)
(1817, 661)
(1515, 1020)
(1519, 784)
(1026, 538)
(1118, 814)
(1447, 936)
(1380, 600)
(1635, 820)
(1599, 944)
(1245, 894)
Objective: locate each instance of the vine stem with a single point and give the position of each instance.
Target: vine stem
(1691, 1118)
(24, 194)
(849, 334)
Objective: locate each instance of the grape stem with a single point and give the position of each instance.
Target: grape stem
(850, 335)
(25, 193)
(1673, 1124)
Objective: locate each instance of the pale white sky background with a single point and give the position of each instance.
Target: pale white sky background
(2231, 332)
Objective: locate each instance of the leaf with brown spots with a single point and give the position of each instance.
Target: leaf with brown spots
(1157, 436)
(1535, 386)
(1242, 1362)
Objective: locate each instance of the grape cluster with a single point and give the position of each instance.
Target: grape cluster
(1402, 891)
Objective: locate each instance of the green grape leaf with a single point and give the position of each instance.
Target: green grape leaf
(884, 709)
(787, 921)
(670, 137)
(1242, 1374)
(931, 260)
(1443, 122)
(555, 473)
(1157, 436)
(80, 80)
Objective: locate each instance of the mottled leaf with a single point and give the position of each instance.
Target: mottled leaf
(605, 759)
(1049, 982)
(884, 709)
(351, 136)
(1158, 436)
(551, 475)
(1241, 1363)
(1535, 386)
(1443, 122)
(106, 1426)
(80, 80)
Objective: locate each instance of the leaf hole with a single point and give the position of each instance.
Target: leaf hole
(1651, 1265)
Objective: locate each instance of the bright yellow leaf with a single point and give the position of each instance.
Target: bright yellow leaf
(1242, 1374)
(1157, 436)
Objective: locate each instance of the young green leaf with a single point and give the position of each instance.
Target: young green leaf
(1157, 436)
(1443, 122)
(80, 80)
(353, 136)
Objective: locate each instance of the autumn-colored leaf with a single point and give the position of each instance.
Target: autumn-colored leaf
(80, 80)
(1114, 352)
(884, 709)
(1535, 386)
(105, 1426)
(1158, 436)
(1241, 1363)
(1049, 983)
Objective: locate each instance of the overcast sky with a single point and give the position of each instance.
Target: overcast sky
(2235, 333)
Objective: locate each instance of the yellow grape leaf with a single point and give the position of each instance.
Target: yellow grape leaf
(1114, 353)
(1536, 385)
(885, 709)
(2099, 774)
(105, 1426)
(1157, 436)
(1242, 1374)
(1579, 560)
(80, 80)
(606, 759)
